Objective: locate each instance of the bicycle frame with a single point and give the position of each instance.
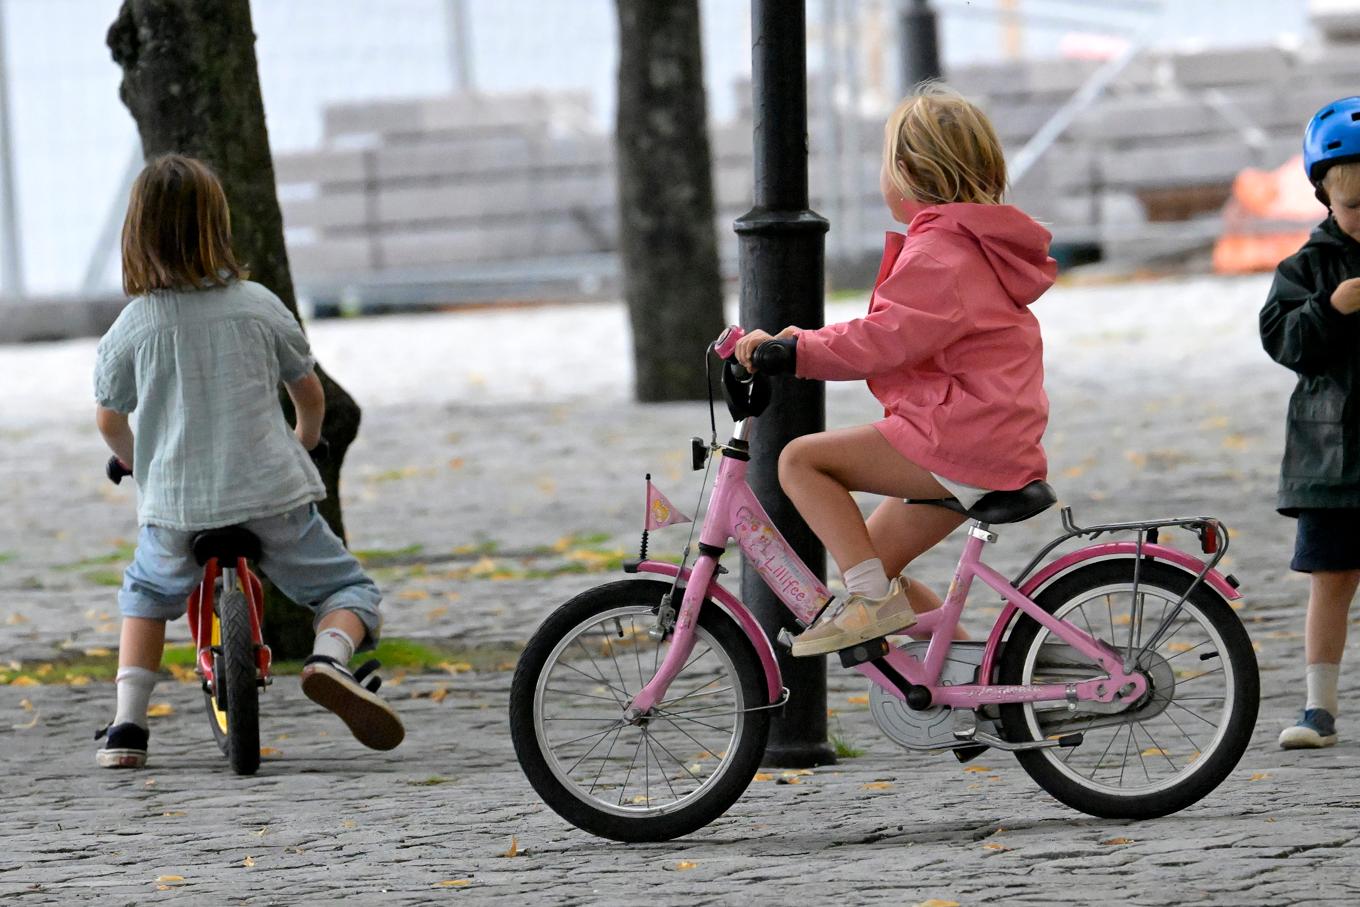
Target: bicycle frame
(202, 616)
(735, 513)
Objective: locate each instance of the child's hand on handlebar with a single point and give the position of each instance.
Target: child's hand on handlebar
(746, 346)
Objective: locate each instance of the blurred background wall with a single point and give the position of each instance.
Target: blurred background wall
(436, 152)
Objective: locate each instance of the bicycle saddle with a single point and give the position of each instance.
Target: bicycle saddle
(225, 545)
(1002, 506)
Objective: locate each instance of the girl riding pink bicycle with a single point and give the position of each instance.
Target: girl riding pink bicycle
(1118, 672)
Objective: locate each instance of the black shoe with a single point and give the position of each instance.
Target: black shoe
(354, 697)
(125, 746)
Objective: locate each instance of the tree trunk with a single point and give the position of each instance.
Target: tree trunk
(191, 82)
(665, 177)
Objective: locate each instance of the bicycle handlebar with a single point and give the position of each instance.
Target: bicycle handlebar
(116, 471)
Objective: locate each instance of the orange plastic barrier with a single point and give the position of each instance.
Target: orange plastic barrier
(1268, 218)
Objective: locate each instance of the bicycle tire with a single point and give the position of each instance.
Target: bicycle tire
(239, 677)
(625, 821)
(1193, 773)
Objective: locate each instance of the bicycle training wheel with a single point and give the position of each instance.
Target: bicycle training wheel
(656, 777)
(237, 674)
(1163, 752)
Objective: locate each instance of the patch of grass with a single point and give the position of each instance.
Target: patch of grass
(104, 577)
(844, 747)
(376, 556)
(121, 554)
(7, 556)
(396, 655)
(431, 781)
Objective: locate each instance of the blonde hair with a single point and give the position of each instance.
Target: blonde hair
(177, 232)
(1342, 180)
(939, 148)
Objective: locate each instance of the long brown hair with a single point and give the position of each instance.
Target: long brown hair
(178, 228)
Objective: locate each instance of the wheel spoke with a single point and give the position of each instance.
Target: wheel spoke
(597, 668)
(1159, 748)
(604, 762)
(631, 763)
(612, 699)
(601, 735)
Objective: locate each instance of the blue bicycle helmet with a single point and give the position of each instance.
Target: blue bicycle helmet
(1332, 137)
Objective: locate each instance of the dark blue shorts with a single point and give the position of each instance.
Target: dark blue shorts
(1327, 540)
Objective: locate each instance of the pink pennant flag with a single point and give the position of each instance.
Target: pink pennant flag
(661, 512)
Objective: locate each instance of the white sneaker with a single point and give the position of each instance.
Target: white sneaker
(857, 619)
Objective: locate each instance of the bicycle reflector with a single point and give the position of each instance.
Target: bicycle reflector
(1208, 538)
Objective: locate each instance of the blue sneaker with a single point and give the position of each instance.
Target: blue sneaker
(1316, 729)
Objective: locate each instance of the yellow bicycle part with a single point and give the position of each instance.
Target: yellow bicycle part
(219, 715)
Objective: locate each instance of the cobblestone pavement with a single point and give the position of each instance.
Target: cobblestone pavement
(477, 481)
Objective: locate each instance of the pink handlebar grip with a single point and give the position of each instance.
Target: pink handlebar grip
(726, 344)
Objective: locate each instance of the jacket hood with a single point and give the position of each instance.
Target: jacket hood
(1015, 246)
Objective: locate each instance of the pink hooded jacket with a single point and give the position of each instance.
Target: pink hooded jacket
(950, 347)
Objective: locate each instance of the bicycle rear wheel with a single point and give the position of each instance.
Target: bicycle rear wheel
(239, 677)
(1175, 744)
(651, 778)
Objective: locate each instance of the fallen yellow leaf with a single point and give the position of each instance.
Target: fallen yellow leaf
(878, 785)
(1118, 841)
(24, 680)
(174, 813)
(453, 883)
(936, 902)
(248, 862)
(269, 751)
(160, 710)
(1259, 776)
(349, 823)
(976, 769)
(994, 846)
(763, 776)
(439, 694)
(455, 667)
(514, 848)
(26, 704)
(1154, 751)
(685, 864)
(857, 700)
(27, 724)
(169, 878)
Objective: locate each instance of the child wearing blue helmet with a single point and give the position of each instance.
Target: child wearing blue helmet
(1309, 324)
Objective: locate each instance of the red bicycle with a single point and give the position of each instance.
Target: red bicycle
(226, 615)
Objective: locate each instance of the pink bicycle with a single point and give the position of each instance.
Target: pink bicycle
(1117, 673)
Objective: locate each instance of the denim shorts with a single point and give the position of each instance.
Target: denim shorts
(1327, 540)
(299, 554)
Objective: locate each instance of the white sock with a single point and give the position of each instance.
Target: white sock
(335, 643)
(867, 578)
(134, 695)
(1322, 679)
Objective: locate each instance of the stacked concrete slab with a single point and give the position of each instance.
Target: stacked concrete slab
(466, 196)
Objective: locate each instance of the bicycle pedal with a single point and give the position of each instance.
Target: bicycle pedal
(784, 640)
(866, 651)
(970, 752)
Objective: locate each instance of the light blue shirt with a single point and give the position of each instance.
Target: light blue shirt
(201, 369)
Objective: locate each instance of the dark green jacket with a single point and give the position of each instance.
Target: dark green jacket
(1302, 331)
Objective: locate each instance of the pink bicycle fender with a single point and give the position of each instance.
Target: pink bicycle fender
(1173, 556)
(774, 681)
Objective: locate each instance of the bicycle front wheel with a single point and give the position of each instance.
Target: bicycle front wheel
(1175, 744)
(656, 776)
(238, 674)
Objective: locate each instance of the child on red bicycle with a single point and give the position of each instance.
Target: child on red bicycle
(199, 353)
(952, 351)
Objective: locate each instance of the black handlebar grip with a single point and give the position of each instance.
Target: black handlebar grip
(116, 471)
(775, 357)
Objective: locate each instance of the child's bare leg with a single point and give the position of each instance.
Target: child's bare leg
(141, 643)
(900, 533)
(345, 621)
(818, 472)
(1329, 603)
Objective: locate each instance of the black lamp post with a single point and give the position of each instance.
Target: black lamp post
(781, 264)
(920, 42)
